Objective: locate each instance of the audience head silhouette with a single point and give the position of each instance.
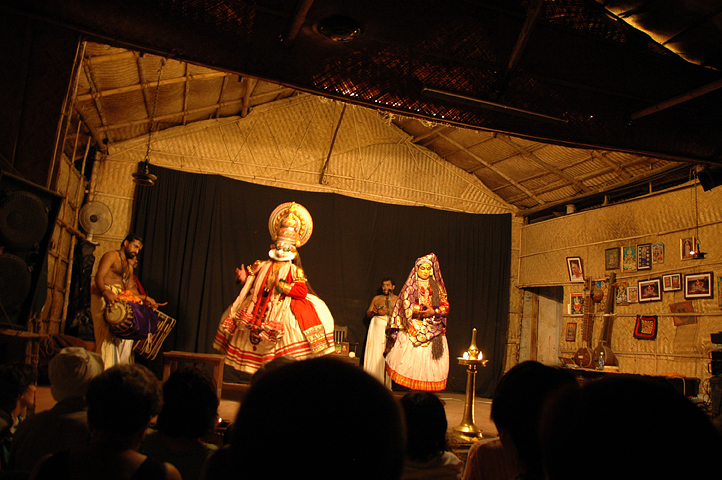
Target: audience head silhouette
(190, 405)
(122, 400)
(632, 427)
(425, 425)
(516, 410)
(338, 422)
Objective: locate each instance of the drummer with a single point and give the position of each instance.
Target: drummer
(114, 281)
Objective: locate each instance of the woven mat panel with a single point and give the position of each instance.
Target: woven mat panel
(665, 219)
(371, 157)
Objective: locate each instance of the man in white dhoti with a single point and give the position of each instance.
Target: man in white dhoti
(379, 311)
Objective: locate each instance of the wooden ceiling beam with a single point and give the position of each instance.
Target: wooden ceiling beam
(144, 85)
(250, 87)
(141, 77)
(185, 94)
(495, 170)
(638, 179)
(87, 68)
(194, 111)
(578, 185)
(220, 95)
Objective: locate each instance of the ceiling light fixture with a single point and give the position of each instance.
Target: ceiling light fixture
(696, 252)
(339, 28)
(142, 176)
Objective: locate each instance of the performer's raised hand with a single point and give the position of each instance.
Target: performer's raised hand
(241, 274)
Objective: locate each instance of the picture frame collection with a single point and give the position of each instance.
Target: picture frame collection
(640, 257)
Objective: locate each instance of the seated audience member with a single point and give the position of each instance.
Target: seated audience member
(17, 392)
(219, 460)
(628, 426)
(121, 402)
(427, 452)
(66, 424)
(341, 421)
(190, 411)
(516, 410)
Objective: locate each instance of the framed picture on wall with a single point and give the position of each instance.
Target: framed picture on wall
(687, 246)
(629, 258)
(574, 267)
(649, 290)
(672, 282)
(699, 285)
(622, 295)
(571, 332)
(576, 303)
(644, 256)
(633, 294)
(611, 258)
(657, 253)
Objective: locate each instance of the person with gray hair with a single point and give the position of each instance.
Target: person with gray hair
(66, 424)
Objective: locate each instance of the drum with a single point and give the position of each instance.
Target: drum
(131, 321)
(150, 346)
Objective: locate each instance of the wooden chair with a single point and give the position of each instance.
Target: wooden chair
(172, 359)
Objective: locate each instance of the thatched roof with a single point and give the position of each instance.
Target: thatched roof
(546, 102)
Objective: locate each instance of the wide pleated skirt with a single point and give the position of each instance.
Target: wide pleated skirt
(414, 367)
(243, 355)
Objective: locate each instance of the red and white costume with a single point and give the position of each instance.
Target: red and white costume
(274, 315)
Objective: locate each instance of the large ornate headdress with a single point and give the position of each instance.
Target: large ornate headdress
(290, 225)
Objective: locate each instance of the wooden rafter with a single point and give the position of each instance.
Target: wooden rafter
(185, 93)
(495, 170)
(87, 68)
(145, 85)
(250, 87)
(194, 111)
(578, 185)
(641, 178)
(220, 95)
(143, 81)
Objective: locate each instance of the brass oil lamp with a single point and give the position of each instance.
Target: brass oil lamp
(472, 358)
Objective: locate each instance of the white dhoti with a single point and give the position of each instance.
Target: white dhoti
(114, 350)
(374, 362)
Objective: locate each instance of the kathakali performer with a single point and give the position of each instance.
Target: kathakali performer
(417, 351)
(275, 314)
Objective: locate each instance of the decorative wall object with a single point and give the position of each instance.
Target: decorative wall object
(629, 258)
(672, 282)
(644, 256)
(571, 332)
(576, 272)
(683, 307)
(657, 253)
(687, 247)
(632, 294)
(611, 258)
(646, 327)
(699, 285)
(622, 296)
(576, 303)
(650, 290)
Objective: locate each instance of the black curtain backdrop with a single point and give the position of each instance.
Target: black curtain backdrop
(198, 228)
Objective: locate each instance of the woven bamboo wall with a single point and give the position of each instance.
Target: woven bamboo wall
(665, 218)
(286, 144)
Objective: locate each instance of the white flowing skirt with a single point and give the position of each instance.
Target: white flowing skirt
(414, 367)
(243, 355)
